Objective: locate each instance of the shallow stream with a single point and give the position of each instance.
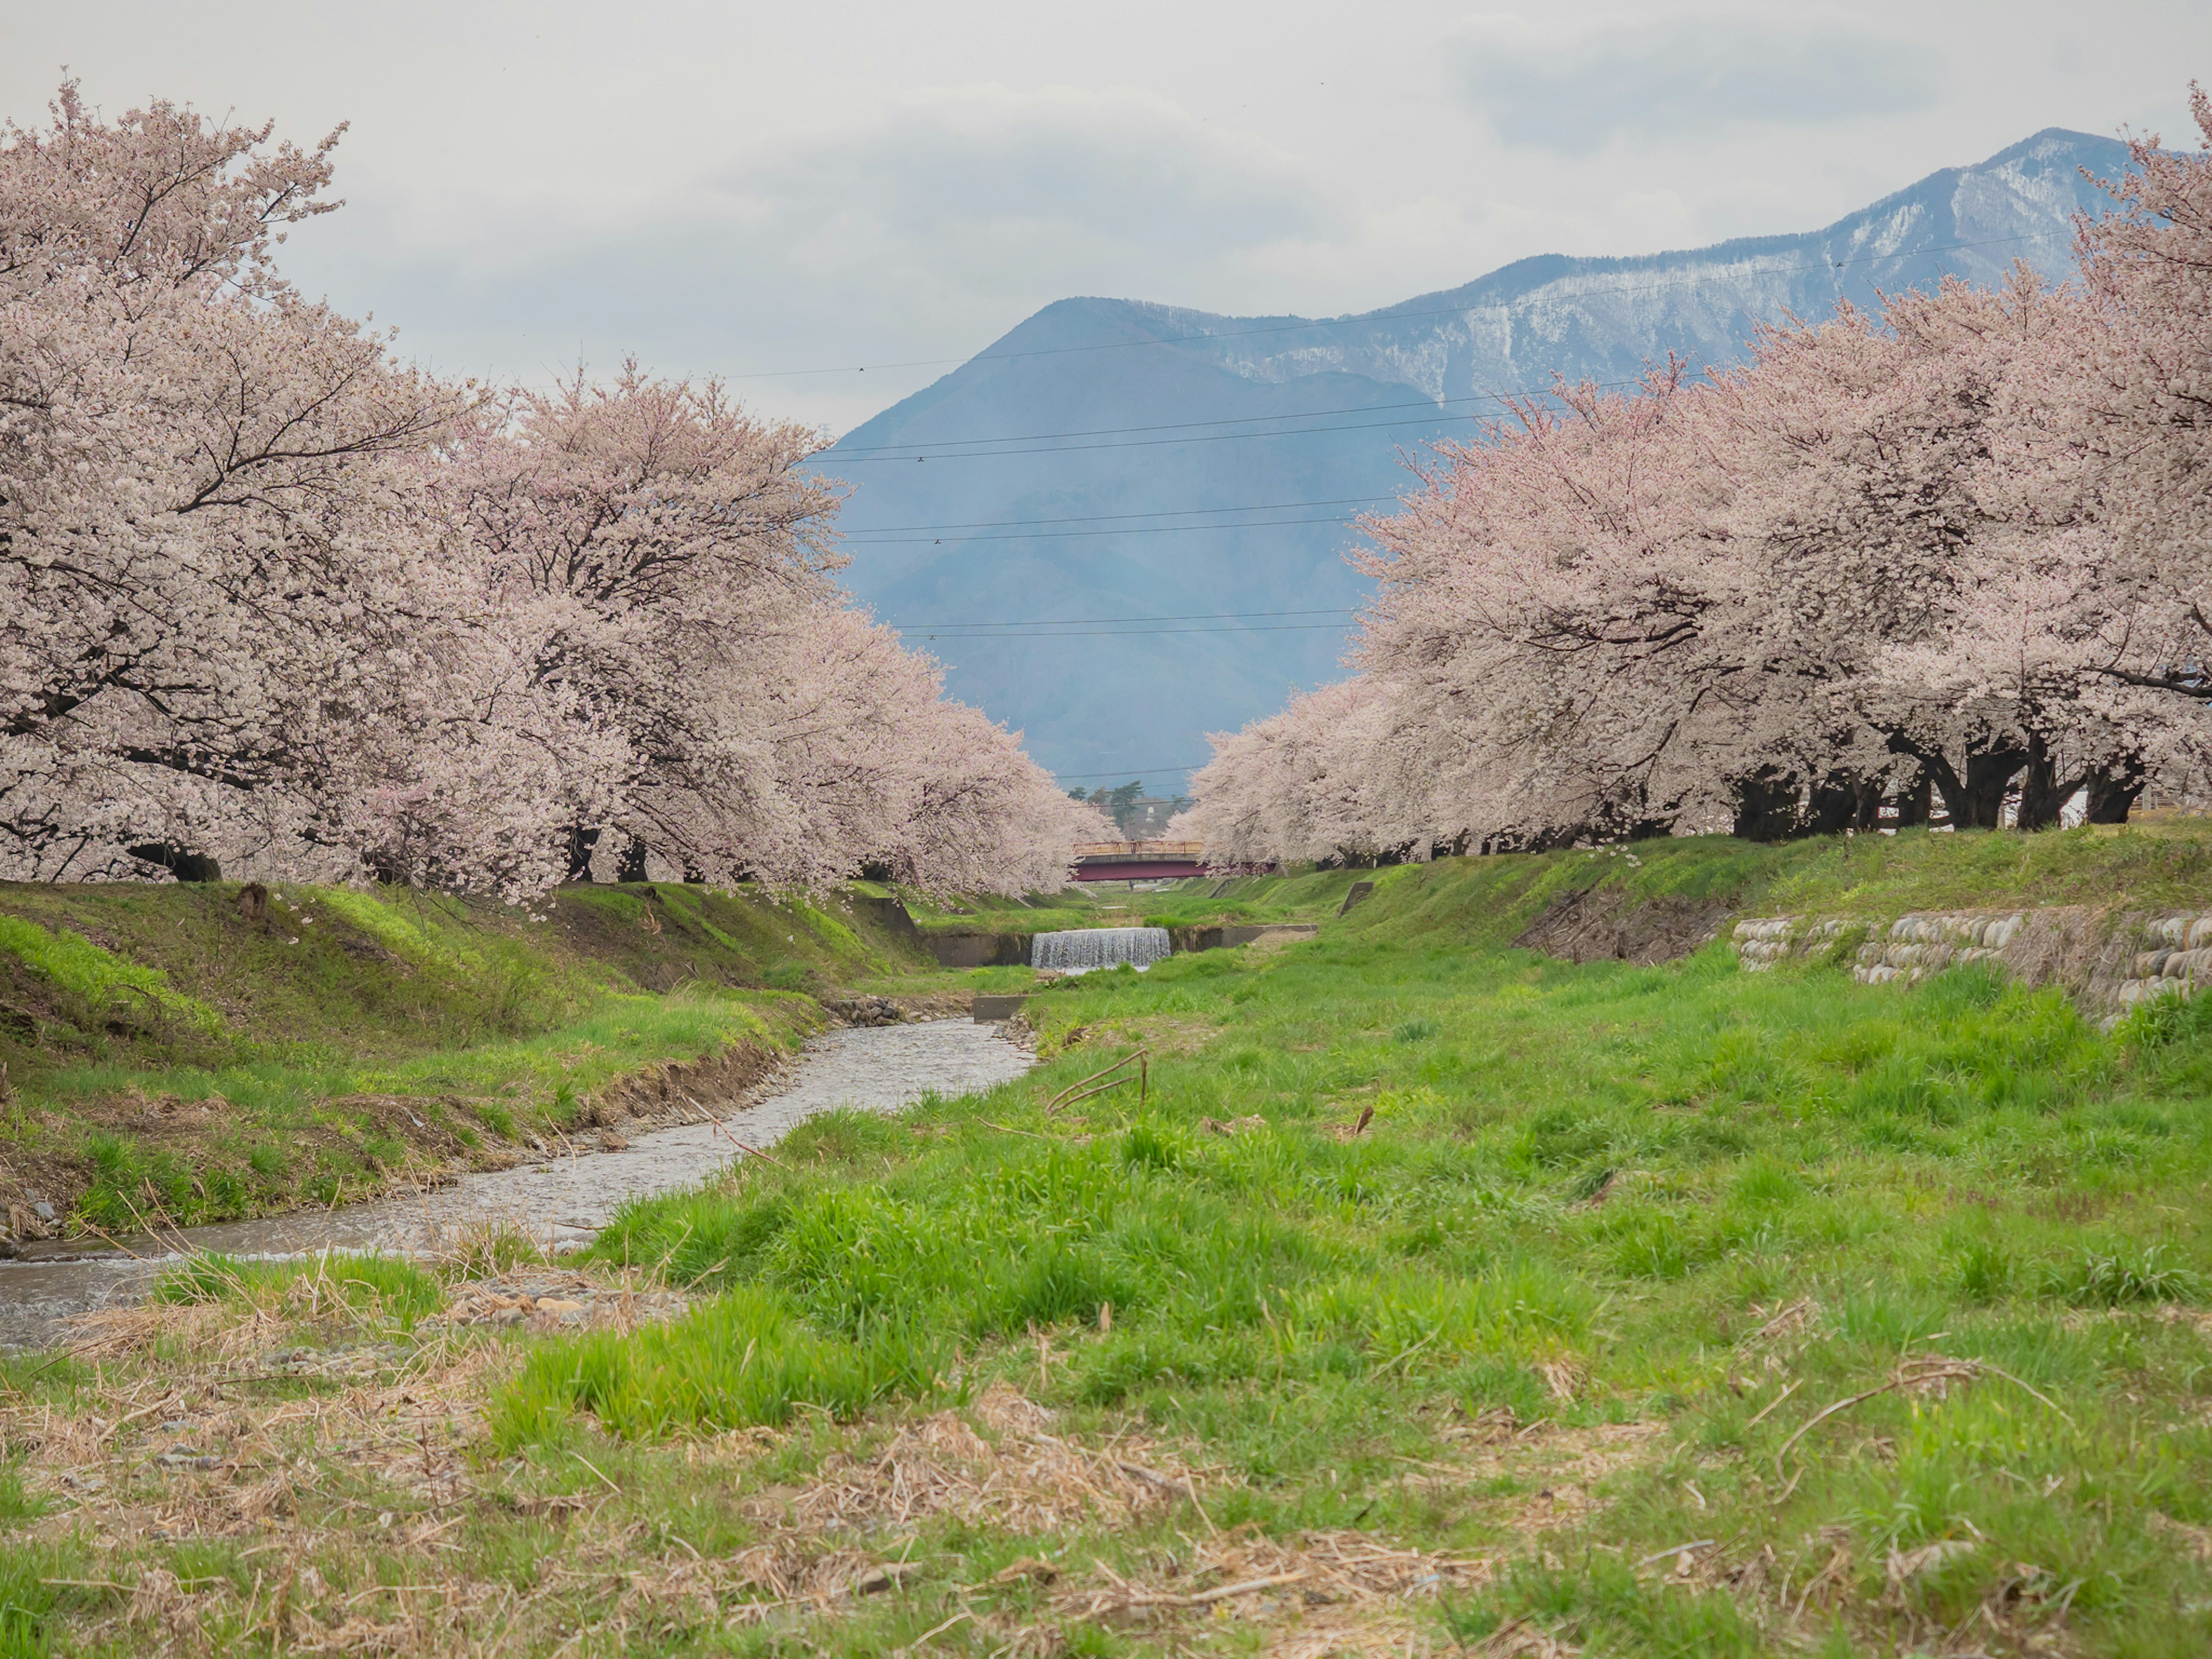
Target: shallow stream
(563, 1201)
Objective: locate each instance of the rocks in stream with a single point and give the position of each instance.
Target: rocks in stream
(865, 1011)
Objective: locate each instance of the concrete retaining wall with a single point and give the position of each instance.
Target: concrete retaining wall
(2107, 963)
(1228, 936)
(967, 949)
(963, 948)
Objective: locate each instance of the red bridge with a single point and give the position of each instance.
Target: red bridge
(1149, 860)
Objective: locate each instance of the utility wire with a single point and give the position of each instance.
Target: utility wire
(1134, 633)
(1128, 772)
(1150, 443)
(1126, 530)
(866, 450)
(1374, 317)
(1200, 616)
(1155, 513)
(941, 447)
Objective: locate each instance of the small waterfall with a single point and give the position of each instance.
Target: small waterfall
(1085, 948)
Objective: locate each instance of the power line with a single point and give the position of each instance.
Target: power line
(1150, 443)
(940, 447)
(1128, 772)
(1134, 633)
(1128, 530)
(1202, 616)
(1373, 317)
(1155, 513)
(868, 451)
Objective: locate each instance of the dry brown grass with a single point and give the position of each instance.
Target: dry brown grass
(349, 1499)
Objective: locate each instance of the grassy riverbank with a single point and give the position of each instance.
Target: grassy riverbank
(179, 1052)
(1302, 895)
(1435, 1294)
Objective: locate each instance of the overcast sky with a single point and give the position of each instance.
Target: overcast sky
(746, 189)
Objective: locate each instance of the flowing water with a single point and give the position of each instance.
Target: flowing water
(1085, 948)
(562, 1201)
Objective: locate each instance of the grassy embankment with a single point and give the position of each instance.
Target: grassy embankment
(1664, 1310)
(1305, 895)
(165, 1056)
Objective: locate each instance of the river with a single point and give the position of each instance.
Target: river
(563, 1201)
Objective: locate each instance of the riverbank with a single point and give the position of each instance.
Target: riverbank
(179, 1055)
(545, 1207)
(1419, 1291)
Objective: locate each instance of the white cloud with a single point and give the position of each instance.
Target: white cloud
(737, 185)
(960, 209)
(1575, 93)
(1113, 168)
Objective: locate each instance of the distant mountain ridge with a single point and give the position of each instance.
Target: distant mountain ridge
(1176, 452)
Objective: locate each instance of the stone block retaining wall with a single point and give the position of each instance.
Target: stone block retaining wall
(2107, 963)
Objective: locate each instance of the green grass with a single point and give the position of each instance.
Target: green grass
(163, 1054)
(739, 1360)
(1892, 1300)
(1584, 1193)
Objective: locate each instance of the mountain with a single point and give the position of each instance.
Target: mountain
(1112, 458)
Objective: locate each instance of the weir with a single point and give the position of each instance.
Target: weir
(1081, 949)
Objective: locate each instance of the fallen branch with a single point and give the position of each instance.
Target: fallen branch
(753, 1151)
(1169, 1483)
(1915, 1374)
(1139, 1056)
(1827, 1411)
(167, 1400)
(756, 1153)
(1679, 1549)
(1790, 1388)
(1100, 1090)
(1141, 1597)
(938, 1629)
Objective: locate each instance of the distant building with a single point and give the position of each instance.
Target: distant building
(1137, 815)
(1148, 817)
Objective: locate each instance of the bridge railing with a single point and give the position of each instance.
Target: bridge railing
(1139, 849)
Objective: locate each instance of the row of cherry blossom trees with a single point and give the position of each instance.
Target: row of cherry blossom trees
(1950, 559)
(271, 597)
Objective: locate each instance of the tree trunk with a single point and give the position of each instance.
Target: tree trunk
(1866, 813)
(581, 842)
(1974, 802)
(184, 864)
(1765, 804)
(1989, 773)
(2043, 792)
(2113, 790)
(1833, 805)
(1914, 802)
(632, 867)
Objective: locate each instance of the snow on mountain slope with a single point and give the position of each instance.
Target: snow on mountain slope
(1112, 458)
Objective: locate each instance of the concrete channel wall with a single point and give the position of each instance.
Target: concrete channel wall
(961, 948)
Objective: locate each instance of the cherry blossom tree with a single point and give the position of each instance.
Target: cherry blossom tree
(1953, 550)
(205, 516)
(268, 594)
